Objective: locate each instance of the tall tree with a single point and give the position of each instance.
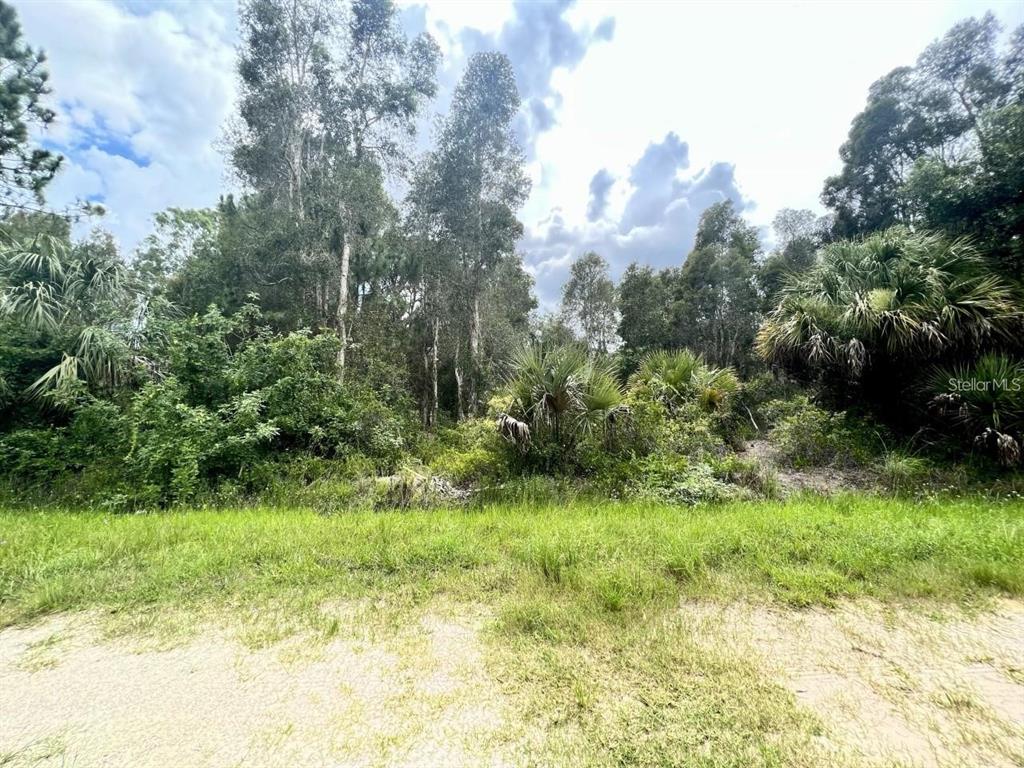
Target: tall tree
(798, 235)
(328, 92)
(932, 144)
(589, 302)
(25, 170)
(716, 309)
(644, 298)
(468, 192)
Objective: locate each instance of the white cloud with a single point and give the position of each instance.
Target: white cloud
(141, 100)
(762, 93)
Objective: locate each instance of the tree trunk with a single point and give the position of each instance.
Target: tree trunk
(433, 371)
(346, 257)
(430, 360)
(460, 411)
(474, 357)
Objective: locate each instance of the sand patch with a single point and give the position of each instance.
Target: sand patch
(422, 697)
(891, 685)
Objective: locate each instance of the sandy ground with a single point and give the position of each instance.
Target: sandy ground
(821, 480)
(420, 698)
(889, 686)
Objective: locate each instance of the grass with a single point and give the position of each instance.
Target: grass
(543, 566)
(583, 629)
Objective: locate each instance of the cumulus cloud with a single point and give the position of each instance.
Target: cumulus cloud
(656, 225)
(141, 93)
(600, 185)
(538, 40)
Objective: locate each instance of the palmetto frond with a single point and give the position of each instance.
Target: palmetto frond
(558, 392)
(900, 295)
(676, 377)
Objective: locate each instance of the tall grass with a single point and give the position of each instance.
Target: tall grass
(584, 557)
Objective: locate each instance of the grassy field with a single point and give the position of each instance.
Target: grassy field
(547, 568)
(579, 606)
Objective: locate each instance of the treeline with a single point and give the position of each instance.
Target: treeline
(319, 313)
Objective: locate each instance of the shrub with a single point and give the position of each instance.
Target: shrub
(681, 377)
(559, 398)
(808, 436)
(984, 401)
(470, 453)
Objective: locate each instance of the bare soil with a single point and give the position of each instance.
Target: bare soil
(820, 480)
(888, 685)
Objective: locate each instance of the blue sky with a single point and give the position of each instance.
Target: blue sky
(636, 116)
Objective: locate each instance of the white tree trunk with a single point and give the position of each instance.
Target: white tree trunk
(474, 357)
(433, 371)
(346, 257)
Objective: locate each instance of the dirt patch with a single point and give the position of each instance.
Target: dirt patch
(887, 686)
(893, 685)
(822, 480)
(420, 698)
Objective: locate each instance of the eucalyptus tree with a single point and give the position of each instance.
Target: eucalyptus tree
(716, 303)
(25, 169)
(328, 93)
(469, 190)
(644, 300)
(589, 302)
(798, 235)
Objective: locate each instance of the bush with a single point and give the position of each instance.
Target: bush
(230, 397)
(984, 402)
(471, 453)
(560, 401)
(676, 480)
(808, 436)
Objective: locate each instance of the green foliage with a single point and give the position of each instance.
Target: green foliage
(470, 453)
(675, 378)
(563, 398)
(808, 436)
(76, 300)
(25, 170)
(588, 302)
(231, 395)
(985, 400)
(939, 144)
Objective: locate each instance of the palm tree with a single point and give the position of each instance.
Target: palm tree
(895, 299)
(559, 395)
(677, 377)
(74, 297)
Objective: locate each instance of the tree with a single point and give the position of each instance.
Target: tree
(326, 95)
(644, 298)
(938, 145)
(715, 309)
(466, 197)
(589, 302)
(798, 235)
(75, 302)
(25, 170)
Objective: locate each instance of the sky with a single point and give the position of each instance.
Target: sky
(636, 115)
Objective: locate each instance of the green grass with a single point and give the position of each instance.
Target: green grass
(530, 562)
(583, 634)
